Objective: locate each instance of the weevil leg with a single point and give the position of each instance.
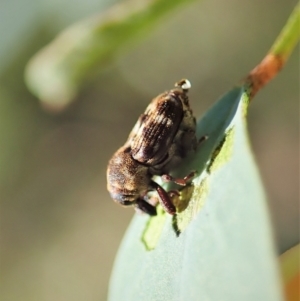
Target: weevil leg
(191, 175)
(202, 139)
(179, 181)
(164, 199)
(145, 207)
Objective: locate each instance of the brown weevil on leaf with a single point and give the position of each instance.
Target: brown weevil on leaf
(163, 135)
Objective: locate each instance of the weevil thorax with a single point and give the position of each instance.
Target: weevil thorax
(127, 179)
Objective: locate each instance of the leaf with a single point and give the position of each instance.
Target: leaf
(57, 72)
(225, 249)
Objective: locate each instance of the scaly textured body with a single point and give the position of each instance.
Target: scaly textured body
(162, 136)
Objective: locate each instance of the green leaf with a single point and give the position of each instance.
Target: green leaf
(219, 247)
(57, 72)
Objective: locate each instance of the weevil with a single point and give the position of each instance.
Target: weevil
(163, 135)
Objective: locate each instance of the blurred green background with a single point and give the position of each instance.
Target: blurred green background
(59, 228)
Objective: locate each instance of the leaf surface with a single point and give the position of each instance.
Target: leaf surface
(220, 246)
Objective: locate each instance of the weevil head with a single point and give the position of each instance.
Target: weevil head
(127, 179)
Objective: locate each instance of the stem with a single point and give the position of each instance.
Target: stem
(277, 55)
(289, 36)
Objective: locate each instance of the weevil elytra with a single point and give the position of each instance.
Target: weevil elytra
(163, 135)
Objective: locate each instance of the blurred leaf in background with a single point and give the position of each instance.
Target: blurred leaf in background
(59, 228)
